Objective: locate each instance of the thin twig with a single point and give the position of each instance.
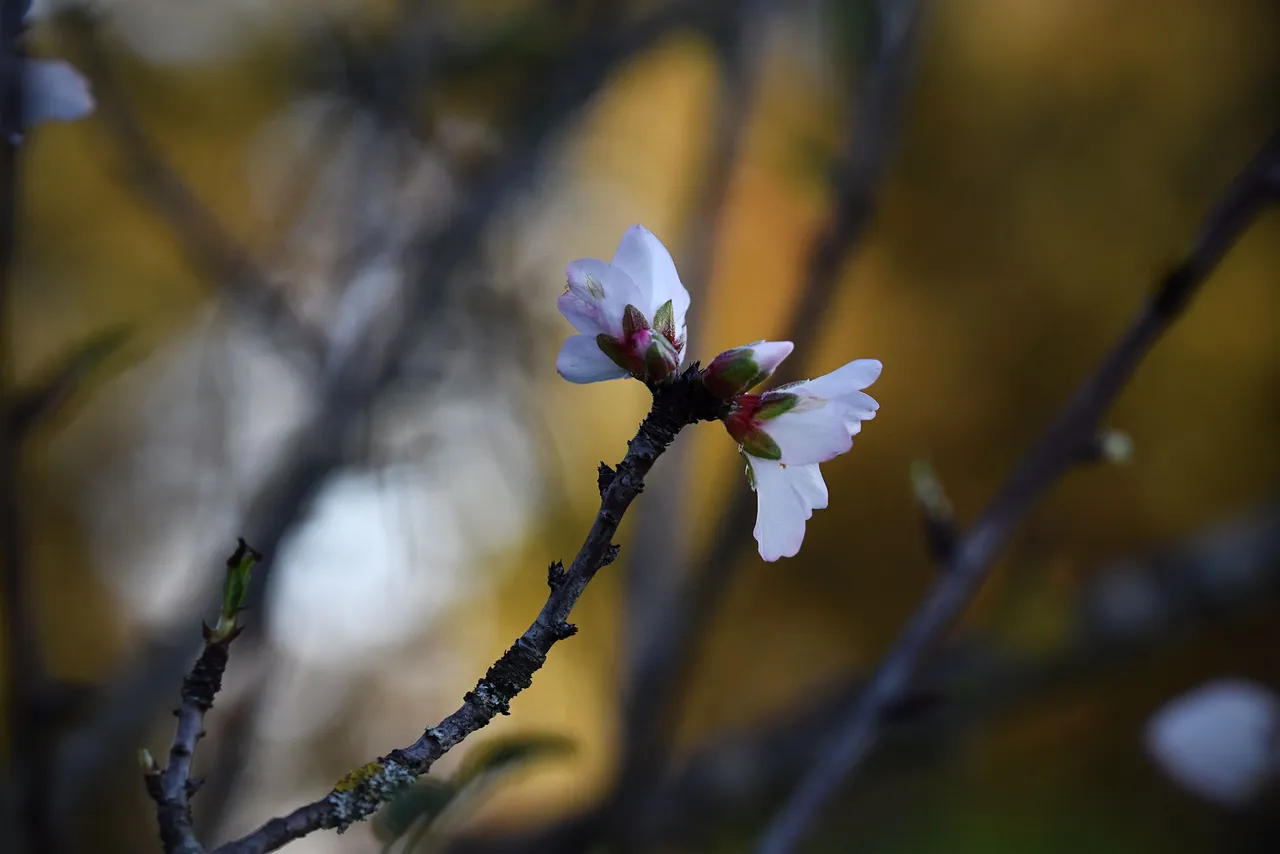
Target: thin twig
(859, 174)
(1056, 451)
(172, 787)
(43, 400)
(676, 404)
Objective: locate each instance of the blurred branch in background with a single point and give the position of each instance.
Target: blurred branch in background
(878, 98)
(1059, 448)
(1129, 609)
(23, 813)
(204, 241)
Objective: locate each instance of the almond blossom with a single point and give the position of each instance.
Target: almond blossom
(55, 92)
(629, 312)
(785, 433)
(1220, 741)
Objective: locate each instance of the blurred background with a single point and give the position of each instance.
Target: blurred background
(295, 279)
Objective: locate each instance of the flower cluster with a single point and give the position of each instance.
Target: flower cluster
(630, 314)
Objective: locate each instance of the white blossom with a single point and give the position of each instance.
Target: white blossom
(785, 433)
(629, 313)
(54, 92)
(1220, 741)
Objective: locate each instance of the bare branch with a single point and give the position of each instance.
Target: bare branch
(1057, 450)
(24, 662)
(44, 399)
(173, 787)
(676, 404)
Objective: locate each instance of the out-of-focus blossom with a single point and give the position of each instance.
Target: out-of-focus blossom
(630, 313)
(785, 433)
(54, 92)
(1220, 741)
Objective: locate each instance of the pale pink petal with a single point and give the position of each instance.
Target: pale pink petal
(780, 513)
(582, 361)
(605, 285)
(769, 354)
(809, 485)
(855, 408)
(586, 317)
(649, 264)
(809, 436)
(844, 380)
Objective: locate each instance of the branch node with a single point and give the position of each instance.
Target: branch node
(610, 554)
(604, 477)
(555, 574)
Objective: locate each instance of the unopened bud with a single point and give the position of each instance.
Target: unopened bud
(939, 519)
(1109, 446)
(661, 360)
(743, 368)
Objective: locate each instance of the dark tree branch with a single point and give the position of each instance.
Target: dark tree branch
(872, 131)
(43, 400)
(1128, 609)
(1056, 451)
(676, 404)
(173, 787)
(24, 664)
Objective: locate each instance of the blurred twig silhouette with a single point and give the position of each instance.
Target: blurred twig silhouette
(1060, 446)
(23, 805)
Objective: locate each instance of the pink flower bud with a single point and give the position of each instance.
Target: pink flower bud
(742, 368)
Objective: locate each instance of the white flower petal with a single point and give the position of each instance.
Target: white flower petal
(55, 92)
(809, 485)
(780, 511)
(606, 286)
(855, 408)
(769, 354)
(1219, 741)
(582, 361)
(845, 380)
(586, 317)
(808, 436)
(649, 264)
